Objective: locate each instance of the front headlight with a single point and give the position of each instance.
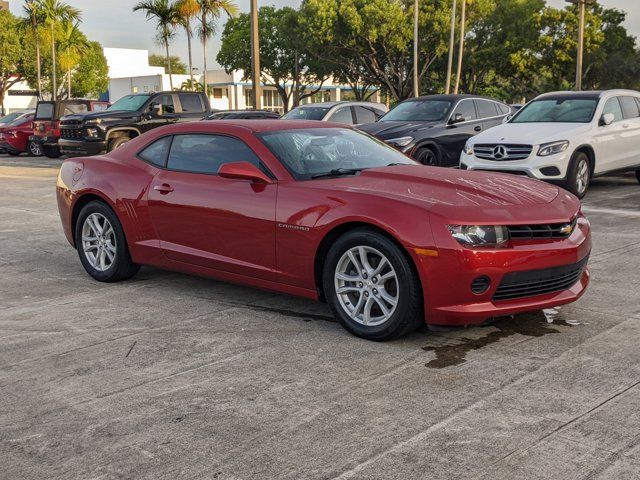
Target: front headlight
(92, 132)
(93, 121)
(552, 148)
(479, 235)
(400, 141)
(468, 148)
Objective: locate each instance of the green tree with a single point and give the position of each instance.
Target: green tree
(210, 13)
(177, 65)
(33, 21)
(73, 44)
(91, 78)
(56, 12)
(10, 53)
(166, 17)
(285, 59)
(192, 85)
(188, 11)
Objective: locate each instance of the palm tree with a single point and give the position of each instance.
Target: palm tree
(187, 11)
(34, 19)
(166, 18)
(73, 44)
(210, 11)
(54, 12)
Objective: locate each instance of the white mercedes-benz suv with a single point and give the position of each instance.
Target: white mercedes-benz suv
(564, 138)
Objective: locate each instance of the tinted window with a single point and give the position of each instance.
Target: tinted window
(418, 111)
(306, 113)
(44, 111)
(342, 115)
(156, 153)
(167, 104)
(560, 110)
(629, 107)
(314, 151)
(364, 115)
(206, 153)
(71, 108)
(504, 110)
(613, 106)
(466, 109)
(487, 109)
(190, 103)
(130, 103)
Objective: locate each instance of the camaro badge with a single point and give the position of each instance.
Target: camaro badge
(294, 227)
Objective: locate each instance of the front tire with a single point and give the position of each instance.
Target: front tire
(579, 175)
(117, 142)
(371, 287)
(51, 151)
(428, 156)
(34, 149)
(101, 244)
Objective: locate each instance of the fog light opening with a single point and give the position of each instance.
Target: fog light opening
(480, 285)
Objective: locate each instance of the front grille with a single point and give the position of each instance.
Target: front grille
(71, 133)
(543, 230)
(511, 172)
(539, 282)
(500, 152)
(70, 123)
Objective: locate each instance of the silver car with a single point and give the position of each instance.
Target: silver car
(349, 113)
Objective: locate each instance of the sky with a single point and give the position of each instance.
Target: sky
(113, 24)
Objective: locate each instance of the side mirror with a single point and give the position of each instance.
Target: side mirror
(607, 119)
(155, 109)
(457, 118)
(243, 171)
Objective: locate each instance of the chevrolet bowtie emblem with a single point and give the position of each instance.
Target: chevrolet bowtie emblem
(567, 229)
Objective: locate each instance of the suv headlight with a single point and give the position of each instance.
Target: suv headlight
(400, 141)
(479, 235)
(93, 121)
(468, 149)
(92, 132)
(552, 148)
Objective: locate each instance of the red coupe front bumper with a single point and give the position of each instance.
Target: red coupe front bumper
(551, 272)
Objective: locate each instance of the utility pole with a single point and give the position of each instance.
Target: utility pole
(255, 56)
(452, 36)
(416, 92)
(461, 50)
(582, 5)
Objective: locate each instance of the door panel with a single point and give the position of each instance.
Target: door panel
(611, 148)
(630, 135)
(456, 135)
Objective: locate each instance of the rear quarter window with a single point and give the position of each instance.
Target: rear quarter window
(191, 103)
(156, 153)
(44, 111)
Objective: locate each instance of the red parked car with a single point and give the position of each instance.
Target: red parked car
(14, 136)
(46, 125)
(326, 212)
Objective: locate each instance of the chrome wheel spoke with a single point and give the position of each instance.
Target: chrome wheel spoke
(380, 267)
(348, 289)
(387, 297)
(366, 314)
(362, 253)
(356, 310)
(355, 262)
(99, 242)
(347, 278)
(385, 310)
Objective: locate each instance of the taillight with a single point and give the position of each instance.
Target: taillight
(42, 127)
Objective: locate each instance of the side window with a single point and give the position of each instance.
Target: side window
(167, 104)
(503, 109)
(190, 103)
(467, 110)
(629, 107)
(487, 109)
(364, 115)
(379, 113)
(342, 115)
(156, 153)
(613, 106)
(207, 153)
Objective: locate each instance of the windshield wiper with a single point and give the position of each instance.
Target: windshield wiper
(336, 172)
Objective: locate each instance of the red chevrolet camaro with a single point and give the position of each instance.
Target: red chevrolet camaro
(326, 212)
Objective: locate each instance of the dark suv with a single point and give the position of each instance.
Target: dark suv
(433, 129)
(132, 115)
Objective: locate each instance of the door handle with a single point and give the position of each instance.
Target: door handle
(163, 189)
(478, 128)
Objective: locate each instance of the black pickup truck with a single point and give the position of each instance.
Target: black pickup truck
(132, 115)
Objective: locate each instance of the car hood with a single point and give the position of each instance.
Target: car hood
(530, 133)
(463, 196)
(104, 115)
(387, 130)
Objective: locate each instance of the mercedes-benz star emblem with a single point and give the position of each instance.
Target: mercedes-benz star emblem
(499, 152)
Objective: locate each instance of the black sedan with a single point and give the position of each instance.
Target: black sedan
(433, 129)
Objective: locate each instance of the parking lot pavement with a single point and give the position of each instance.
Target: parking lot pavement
(171, 376)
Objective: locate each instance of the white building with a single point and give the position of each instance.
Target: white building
(19, 97)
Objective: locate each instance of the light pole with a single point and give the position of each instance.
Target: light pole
(452, 36)
(459, 72)
(416, 91)
(582, 4)
(255, 56)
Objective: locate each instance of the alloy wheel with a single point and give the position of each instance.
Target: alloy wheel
(366, 285)
(582, 176)
(35, 149)
(99, 242)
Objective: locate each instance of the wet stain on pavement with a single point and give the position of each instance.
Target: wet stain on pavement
(535, 324)
(307, 317)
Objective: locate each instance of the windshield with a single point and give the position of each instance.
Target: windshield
(25, 117)
(306, 113)
(10, 118)
(316, 151)
(130, 103)
(561, 110)
(418, 111)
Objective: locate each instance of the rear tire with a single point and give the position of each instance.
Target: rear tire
(117, 142)
(428, 156)
(34, 149)
(378, 298)
(101, 244)
(51, 151)
(578, 175)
